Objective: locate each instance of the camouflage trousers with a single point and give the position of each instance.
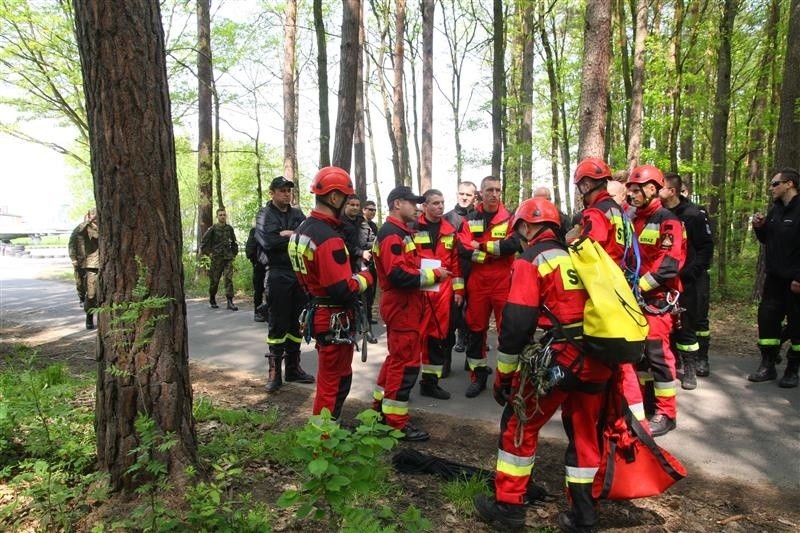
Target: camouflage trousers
(221, 267)
(80, 282)
(90, 280)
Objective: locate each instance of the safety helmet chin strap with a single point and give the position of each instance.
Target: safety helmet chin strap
(337, 210)
(545, 227)
(600, 184)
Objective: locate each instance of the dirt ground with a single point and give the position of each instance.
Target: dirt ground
(693, 504)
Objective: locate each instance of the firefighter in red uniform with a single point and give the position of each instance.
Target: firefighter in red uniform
(437, 239)
(663, 251)
(319, 258)
(485, 235)
(604, 222)
(545, 292)
(401, 277)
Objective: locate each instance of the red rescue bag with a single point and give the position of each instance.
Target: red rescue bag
(632, 464)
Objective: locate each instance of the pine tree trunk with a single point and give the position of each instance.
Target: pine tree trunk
(322, 81)
(289, 88)
(498, 85)
(204, 121)
(637, 94)
(136, 189)
(425, 179)
(526, 103)
(787, 149)
(359, 138)
(594, 79)
(398, 98)
(348, 64)
(554, 114)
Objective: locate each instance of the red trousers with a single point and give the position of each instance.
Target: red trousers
(659, 364)
(487, 293)
(335, 367)
(437, 306)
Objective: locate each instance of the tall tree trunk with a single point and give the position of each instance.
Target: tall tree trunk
(398, 98)
(322, 81)
(498, 85)
(565, 140)
(144, 369)
(348, 64)
(594, 79)
(787, 149)
(625, 60)
(289, 101)
(359, 140)
(637, 95)
(426, 181)
(414, 120)
(217, 166)
(554, 116)
(205, 141)
(677, 86)
(719, 136)
(371, 137)
(526, 102)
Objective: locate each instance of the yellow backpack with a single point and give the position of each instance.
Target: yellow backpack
(614, 326)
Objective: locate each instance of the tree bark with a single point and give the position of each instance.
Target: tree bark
(322, 81)
(398, 99)
(554, 113)
(289, 88)
(348, 64)
(625, 60)
(123, 62)
(359, 139)
(217, 142)
(426, 167)
(719, 136)
(526, 103)
(637, 94)
(594, 79)
(787, 149)
(498, 85)
(204, 121)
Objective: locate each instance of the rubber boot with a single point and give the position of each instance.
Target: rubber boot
(429, 386)
(460, 345)
(231, 307)
(212, 301)
(790, 377)
(478, 384)
(90, 324)
(503, 516)
(295, 373)
(274, 380)
(766, 370)
(703, 369)
(688, 379)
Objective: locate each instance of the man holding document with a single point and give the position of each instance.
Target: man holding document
(436, 243)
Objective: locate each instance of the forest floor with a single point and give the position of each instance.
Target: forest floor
(696, 503)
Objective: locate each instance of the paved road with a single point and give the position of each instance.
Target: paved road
(728, 427)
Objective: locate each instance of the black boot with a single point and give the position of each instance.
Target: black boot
(703, 369)
(294, 373)
(429, 386)
(568, 522)
(790, 377)
(459, 347)
(766, 370)
(503, 516)
(447, 365)
(689, 379)
(90, 324)
(231, 307)
(258, 317)
(274, 380)
(212, 302)
(478, 382)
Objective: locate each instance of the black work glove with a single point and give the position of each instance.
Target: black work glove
(502, 390)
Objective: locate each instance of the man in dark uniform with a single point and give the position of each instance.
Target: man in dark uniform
(84, 251)
(219, 242)
(251, 250)
(367, 236)
(465, 204)
(779, 232)
(275, 223)
(319, 258)
(694, 276)
(401, 277)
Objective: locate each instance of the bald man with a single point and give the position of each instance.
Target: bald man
(544, 192)
(618, 192)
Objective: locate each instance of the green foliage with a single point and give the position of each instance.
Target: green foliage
(47, 447)
(341, 471)
(460, 492)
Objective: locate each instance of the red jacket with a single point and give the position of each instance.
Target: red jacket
(397, 260)
(663, 249)
(440, 241)
(497, 243)
(603, 222)
(544, 276)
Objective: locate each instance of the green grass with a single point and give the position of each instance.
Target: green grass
(461, 491)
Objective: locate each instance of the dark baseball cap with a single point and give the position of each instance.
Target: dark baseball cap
(279, 183)
(404, 193)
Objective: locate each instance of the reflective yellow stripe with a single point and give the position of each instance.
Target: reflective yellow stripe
(650, 234)
(644, 376)
(507, 363)
(432, 369)
(514, 465)
(476, 363)
(548, 261)
(458, 283)
(277, 340)
(638, 410)
(647, 282)
(447, 240)
(426, 277)
(688, 347)
(499, 231)
(394, 407)
(422, 237)
(410, 246)
(377, 394)
(580, 475)
(476, 226)
(362, 282)
(664, 390)
(478, 256)
(293, 338)
(493, 247)
(703, 333)
(769, 342)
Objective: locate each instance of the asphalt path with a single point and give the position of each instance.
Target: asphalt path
(727, 427)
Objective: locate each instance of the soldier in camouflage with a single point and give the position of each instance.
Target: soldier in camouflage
(219, 242)
(84, 251)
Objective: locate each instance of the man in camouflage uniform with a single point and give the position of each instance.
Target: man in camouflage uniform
(85, 256)
(219, 242)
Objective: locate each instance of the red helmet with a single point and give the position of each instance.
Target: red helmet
(537, 211)
(332, 179)
(645, 174)
(592, 167)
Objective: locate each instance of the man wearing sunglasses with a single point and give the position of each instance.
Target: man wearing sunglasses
(779, 232)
